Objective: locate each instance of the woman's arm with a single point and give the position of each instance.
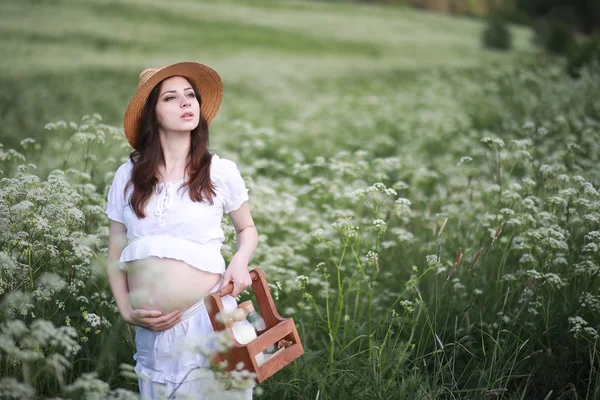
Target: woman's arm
(246, 242)
(117, 240)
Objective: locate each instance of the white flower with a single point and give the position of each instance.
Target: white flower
(465, 160)
(515, 187)
(527, 259)
(493, 142)
(573, 146)
(319, 234)
(592, 218)
(431, 259)
(48, 285)
(408, 305)
(528, 125)
(490, 188)
(590, 248)
(554, 280)
(372, 256)
(586, 267)
(403, 235)
(401, 185)
(522, 143)
(17, 303)
(546, 169)
(457, 284)
(528, 182)
(588, 300)
(556, 200)
(591, 332)
(345, 227)
(401, 201)
(559, 261)
(92, 319)
(589, 189)
(88, 383)
(390, 192)
(513, 222)
(579, 328)
(533, 311)
(379, 226)
(507, 212)
(593, 236)
(10, 388)
(533, 274)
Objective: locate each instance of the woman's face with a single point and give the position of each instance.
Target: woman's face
(177, 109)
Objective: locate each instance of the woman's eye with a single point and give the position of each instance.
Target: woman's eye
(192, 94)
(169, 98)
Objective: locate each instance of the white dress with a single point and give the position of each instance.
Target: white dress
(179, 228)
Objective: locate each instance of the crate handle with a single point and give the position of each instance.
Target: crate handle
(262, 292)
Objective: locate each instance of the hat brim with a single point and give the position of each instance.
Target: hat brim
(205, 79)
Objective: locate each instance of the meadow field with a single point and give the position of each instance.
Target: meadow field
(428, 210)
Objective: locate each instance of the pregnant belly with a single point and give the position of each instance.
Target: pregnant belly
(166, 284)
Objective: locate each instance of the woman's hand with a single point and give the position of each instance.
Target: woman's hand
(153, 320)
(237, 273)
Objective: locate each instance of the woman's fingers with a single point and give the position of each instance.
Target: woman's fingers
(141, 313)
(236, 289)
(165, 322)
(153, 319)
(169, 323)
(167, 317)
(240, 286)
(139, 316)
(226, 279)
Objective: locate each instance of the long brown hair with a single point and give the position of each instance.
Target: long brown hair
(148, 155)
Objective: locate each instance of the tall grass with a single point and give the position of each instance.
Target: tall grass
(413, 271)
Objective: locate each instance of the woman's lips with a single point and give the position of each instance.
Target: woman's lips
(188, 116)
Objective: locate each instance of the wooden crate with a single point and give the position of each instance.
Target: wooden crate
(277, 328)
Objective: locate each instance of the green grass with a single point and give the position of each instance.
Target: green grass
(63, 59)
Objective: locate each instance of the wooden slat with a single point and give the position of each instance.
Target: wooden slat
(272, 336)
(278, 361)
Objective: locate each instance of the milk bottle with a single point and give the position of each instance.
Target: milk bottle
(244, 332)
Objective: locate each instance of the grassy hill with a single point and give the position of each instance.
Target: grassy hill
(64, 59)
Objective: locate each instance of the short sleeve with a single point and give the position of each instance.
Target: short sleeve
(234, 187)
(116, 198)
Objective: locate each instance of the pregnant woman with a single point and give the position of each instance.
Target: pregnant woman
(165, 207)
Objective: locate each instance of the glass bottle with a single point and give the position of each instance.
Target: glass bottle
(244, 332)
(257, 321)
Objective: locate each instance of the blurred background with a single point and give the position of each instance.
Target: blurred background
(64, 59)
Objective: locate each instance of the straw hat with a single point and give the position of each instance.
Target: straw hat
(204, 78)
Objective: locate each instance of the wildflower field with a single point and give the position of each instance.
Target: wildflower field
(428, 212)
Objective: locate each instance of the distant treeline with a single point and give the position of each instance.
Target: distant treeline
(584, 15)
